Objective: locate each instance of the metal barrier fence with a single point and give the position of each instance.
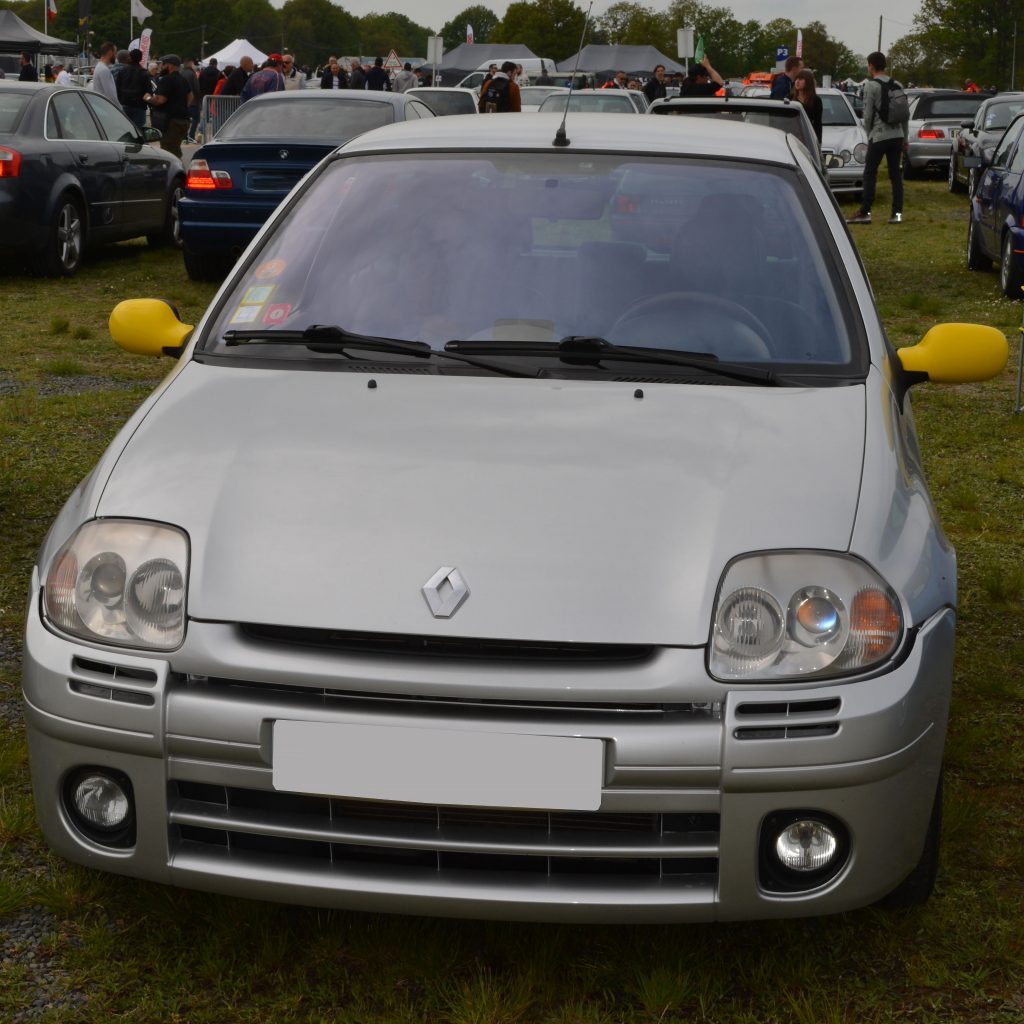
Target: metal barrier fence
(216, 110)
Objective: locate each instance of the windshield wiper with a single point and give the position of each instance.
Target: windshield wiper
(586, 350)
(329, 338)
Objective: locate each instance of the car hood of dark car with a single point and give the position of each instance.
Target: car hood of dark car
(574, 510)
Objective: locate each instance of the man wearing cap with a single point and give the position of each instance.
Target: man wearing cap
(267, 79)
(60, 76)
(169, 104)
(102, 77)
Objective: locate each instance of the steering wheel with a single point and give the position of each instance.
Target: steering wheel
(694, 322)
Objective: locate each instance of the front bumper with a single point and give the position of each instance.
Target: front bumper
(687, 783)
(846, 179)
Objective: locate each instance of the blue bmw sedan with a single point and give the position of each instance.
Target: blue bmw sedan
(236, 181)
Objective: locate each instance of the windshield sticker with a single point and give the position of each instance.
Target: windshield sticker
(246, 315)
(270, 269)
(277, 314)
(258, 295)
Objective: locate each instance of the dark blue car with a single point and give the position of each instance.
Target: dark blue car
(75, 171)
(995, 231)
(236, 181)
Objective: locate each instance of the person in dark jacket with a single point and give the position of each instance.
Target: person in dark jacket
(132, 83)
(357, 79)
(28, 71)
(782, 85)
(237, 79)
(334, 77)
(655, 88)
(378, 79)
(209, 77)
(806, 92)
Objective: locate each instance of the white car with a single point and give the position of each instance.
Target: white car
(844, 143)
(443, 100)
(562, 574)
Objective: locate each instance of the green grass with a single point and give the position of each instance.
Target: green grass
(142, 952)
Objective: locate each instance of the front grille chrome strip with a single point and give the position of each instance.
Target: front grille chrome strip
(416, 836)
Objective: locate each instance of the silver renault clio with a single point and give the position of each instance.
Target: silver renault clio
(533, 527)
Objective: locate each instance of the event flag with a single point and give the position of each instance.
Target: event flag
(698, 54)
(469, 33)
(799, 42)
(51, 10)
(140, 12)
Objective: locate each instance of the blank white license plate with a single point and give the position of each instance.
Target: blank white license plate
(438, 766)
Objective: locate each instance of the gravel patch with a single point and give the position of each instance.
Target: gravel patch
(9, 384)
(81, 385)
(27, 941)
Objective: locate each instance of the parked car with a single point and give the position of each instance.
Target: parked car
(995, 230)
(596, 101)
(443, 101)
(979, 136)
(844, 143)
(783, 115)
(532, 96)
(75, 172)
(935, 120)
(551, 577)
(236, 180)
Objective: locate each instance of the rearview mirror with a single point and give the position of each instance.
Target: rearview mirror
(972, 162)
(956, 354)
(148, 327)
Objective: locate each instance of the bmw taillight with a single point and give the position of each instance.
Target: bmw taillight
(931, 133)
(10, 163)
(201, 177)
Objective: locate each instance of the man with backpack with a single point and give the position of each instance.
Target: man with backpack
(886, 113)
(500, 94)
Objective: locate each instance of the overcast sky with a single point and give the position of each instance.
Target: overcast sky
(849, 22)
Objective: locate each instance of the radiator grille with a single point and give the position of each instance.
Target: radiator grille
(304, 829)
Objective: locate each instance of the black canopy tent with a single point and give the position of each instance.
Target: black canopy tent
(634, 60)
(18, 37)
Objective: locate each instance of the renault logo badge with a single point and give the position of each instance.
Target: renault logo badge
(283, 154)
(445, 591)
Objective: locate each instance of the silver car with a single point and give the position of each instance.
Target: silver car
(936, 118)
(844, 143)
(559, 576)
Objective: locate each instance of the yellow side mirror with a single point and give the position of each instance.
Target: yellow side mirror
(957, 353)
(148, 327)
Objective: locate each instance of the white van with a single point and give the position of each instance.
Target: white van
(532, 66)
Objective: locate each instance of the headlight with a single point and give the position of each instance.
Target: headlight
(121, 581)
(845, 154)
(800, 615)
(860, 153)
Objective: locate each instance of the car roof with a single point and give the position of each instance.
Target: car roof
(395, 99)
(441, 88)
(607, 133)
(761, 103)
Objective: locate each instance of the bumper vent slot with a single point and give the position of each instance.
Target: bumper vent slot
(449, 647)
(302, 829)
(788, 709)
(111, 672)
(785, 732)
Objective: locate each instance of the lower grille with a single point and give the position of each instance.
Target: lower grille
(305, 829)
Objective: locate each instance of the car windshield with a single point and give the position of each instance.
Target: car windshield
(835, 111)
(610, 104)
(11, 107)
(947, 106)
(441, 102)
(725, 258)
(999, 115)
(305, 117)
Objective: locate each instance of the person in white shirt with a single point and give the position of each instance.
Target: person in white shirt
(60, 75)
(102, 77)
(293, 77)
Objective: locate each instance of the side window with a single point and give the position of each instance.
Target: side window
(412, 112)
(1001, 158)
(1017, 161)
(73, 117)
(421, 110)
(115, 125)
(52, 129)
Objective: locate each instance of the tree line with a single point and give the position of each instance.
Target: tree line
(951, 39)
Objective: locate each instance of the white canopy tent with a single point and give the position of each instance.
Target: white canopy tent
(235, 51)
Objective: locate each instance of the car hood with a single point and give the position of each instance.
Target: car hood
(840, 137)
(574, 511)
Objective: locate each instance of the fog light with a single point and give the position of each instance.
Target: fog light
(101, 804)
(806, 846)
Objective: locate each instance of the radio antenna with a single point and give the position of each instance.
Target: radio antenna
(560, 136)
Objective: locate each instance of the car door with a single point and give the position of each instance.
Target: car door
(992, 188)
(144, 173)
(97, 163)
